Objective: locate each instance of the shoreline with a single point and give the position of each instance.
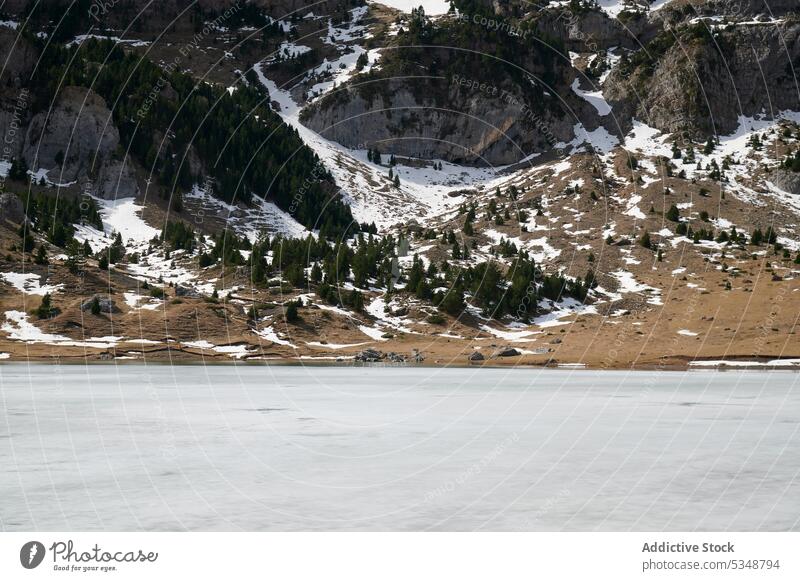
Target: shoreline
(731, 365)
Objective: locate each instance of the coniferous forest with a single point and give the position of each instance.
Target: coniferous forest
(242, 144)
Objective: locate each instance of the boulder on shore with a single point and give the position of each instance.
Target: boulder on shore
(476, 356)
(507, 352)
(370, 356)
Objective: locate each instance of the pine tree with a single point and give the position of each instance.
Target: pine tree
(316, 273)
(453, 301)
(41, 255)
(291, 312)
(27, 237)
(673, 214)
(18, 170)
(45, 309)
(488, 290)
(468, 229)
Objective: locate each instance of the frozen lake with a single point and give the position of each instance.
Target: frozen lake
(135, 447)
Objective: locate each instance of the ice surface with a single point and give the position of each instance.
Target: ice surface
(250, 447)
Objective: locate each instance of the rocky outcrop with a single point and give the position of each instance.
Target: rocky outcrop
(739, 8)
(476, 356)
(19, 58)
(788, 181)
(145, 18)
(76, 139)
(106, 304)
(468, 126)
(589, 31)
(116, 179)
(700, 85)
(11, 209)
(374, 356)
(369, 356)
(506, 352)
(187, 292)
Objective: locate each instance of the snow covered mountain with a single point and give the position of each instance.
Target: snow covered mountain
(606, 184)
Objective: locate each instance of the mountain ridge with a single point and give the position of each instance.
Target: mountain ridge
(614, 222)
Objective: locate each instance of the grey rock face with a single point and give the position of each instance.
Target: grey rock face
(116, 179)
(589, 31)
(743, 8)
(470, 127)
(11, 208)
(697, 90)
(19, 58)
(788, 181)
(80, 128)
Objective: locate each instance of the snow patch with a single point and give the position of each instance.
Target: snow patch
(28, 283)
(595, 98)
(269, 334)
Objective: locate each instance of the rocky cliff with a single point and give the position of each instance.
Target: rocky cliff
(469, 126)
(154, 18)
(699, 79)
(454, 89)
(75, 138)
